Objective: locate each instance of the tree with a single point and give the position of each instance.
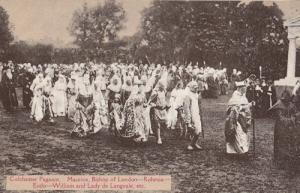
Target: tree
(244, 36)
(188, 31)
(262, 39)
(94, 26)
(6, 36)
(21, 52)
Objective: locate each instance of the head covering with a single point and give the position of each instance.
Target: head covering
(127, 85)
(137, 82)
(238, 99)
(73, 75)
(296, 89)
(115, 84)
(117, 96)
(240, 84)
(286, 96)
(193, 85)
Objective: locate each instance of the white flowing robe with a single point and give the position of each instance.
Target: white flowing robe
(176, 101)
(192, 111)
(59, 98)
(101, 111)
(37, 106)
(71, 97)
(241, 143)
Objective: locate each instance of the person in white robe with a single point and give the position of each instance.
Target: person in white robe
(238, 121)
(72, 91)
(176, 102)
(192, 112)
(37, 113)
(101, 108)
(59, 93)
(36, 103)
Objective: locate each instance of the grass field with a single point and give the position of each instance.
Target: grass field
(27, 148)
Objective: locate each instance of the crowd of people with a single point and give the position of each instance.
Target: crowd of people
(135, 101)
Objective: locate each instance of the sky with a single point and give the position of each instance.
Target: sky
(47, 21)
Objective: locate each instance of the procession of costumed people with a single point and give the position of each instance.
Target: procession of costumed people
(134, 102)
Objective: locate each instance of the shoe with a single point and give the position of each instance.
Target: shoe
(151, 132)
(198, 147)
(190, 148)
(159, 142)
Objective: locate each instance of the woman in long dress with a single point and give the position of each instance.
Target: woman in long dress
(47, 102)
(9, 97)
(238, 121)
(285, 130)
(71, 96)
(85, 109)
(37, 100)
(60, 96)
(101, 108)
(176, 101)
(134, 121)
(126, 90)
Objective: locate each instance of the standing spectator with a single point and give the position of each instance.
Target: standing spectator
(9, 97)
(27, 80)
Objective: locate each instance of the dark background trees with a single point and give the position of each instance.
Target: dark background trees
(243, 36)
(6, 36)
(92, 27)
(235, 34)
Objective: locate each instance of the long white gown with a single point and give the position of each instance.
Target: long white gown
(37, 105)
(241, 143)
(101, 111)
(71, 97)
(59, 98)
(176, 101)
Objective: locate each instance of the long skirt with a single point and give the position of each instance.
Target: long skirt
(135, 122)
(101, 118)
(172, 117)
(37, 112)
(84, 124)
(27, 97)
(71, 106)
(241, 142)
(9, 98)
(59, 103)
(47, 108)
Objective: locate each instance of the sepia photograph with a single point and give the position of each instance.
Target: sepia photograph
(191, 96)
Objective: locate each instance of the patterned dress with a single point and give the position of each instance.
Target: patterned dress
(158, 113)
(237, 124)
(135, 124)
(71, 97)
(101, 112)
(47, 103)
(85, 111)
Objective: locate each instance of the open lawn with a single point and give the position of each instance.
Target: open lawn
(27, 148)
